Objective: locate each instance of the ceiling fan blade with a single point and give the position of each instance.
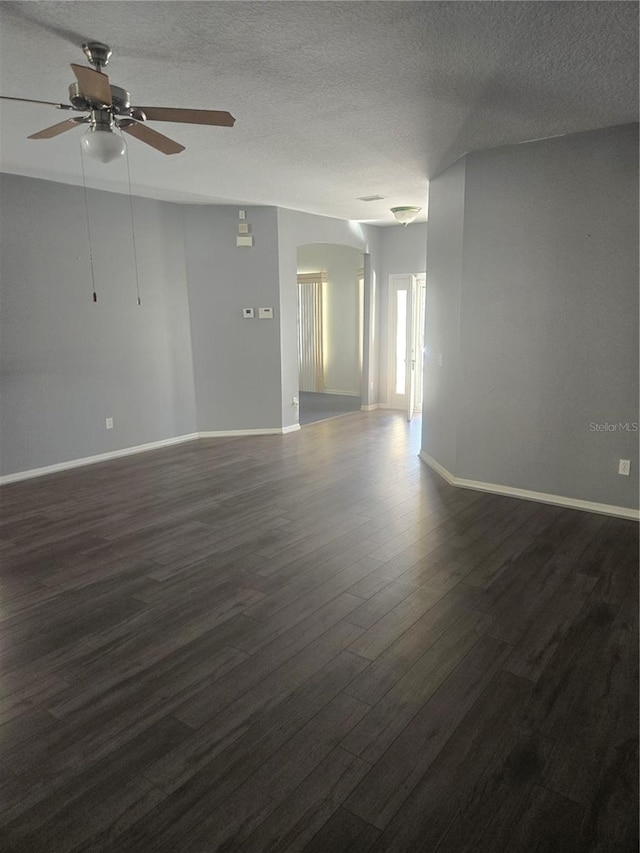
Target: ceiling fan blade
(94, 85)
(219, 118)
(31, 101)
(153, 138)
(56, 129)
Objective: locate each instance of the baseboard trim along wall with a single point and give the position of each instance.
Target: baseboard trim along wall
(525, 494)
(339, 393)
(92, 460)
(140, 448)
(371, 408)
(231, 433)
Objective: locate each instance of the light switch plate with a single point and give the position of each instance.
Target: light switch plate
(265, 313)
(248, 313)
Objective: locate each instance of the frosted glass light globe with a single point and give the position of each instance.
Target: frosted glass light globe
(103, 144)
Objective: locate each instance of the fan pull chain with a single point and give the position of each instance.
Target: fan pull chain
(86, 211)
(133, 228)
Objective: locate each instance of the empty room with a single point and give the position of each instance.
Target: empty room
(319, 426)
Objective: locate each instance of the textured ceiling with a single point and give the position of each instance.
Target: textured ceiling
(333, 100)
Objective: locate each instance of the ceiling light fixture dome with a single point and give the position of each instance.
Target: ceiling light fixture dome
(101, 142)
(405, 215)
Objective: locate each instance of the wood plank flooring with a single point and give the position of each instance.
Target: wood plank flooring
(312, 643)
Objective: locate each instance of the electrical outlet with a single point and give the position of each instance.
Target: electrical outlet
(108, 423)
(624, 467)
(295, 401)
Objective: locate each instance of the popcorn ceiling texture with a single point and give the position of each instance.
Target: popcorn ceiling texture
(333, 100)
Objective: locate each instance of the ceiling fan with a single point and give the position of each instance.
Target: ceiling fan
(109, 107)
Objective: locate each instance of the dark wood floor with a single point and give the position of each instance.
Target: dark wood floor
(312, 643)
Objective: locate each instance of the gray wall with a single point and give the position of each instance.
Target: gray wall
(548, 316)
(183, 361)
(404, 250)
(341, 312)
(68, 363)
(236, 361)
(442, 316)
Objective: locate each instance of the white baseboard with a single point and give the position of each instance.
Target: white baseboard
(525, 494)
(339, 393)
(140, 448)
(384, 406)
(438, 468)
(236, 433)
(92, 460)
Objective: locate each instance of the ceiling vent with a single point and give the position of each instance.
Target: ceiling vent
(370, 198)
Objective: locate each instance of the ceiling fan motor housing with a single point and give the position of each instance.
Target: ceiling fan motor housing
(120, 99)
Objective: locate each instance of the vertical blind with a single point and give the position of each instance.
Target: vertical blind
(310, 332)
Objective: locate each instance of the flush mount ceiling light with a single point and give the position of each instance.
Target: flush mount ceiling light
(405, 215)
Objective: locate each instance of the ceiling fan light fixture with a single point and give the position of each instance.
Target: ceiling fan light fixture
(103, 144)
(405, 215)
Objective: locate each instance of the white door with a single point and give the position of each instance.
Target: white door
(418, 303)
(406, 331)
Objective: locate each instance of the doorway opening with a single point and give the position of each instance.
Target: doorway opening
(407, 300)
(330, 331)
